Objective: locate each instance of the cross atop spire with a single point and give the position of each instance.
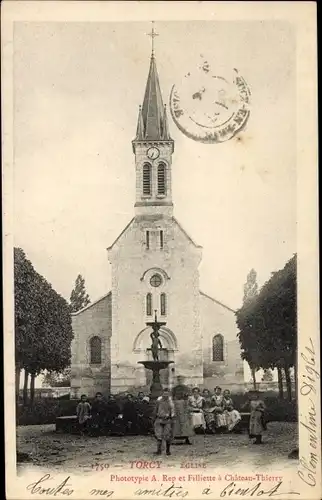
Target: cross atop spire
(152, 120)
(153, 34)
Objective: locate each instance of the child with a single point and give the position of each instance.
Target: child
(256, 422)
(163, 424)
(83, 412)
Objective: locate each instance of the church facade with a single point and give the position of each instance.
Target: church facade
(154, 272)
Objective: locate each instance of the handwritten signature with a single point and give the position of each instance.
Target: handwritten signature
(309, 464)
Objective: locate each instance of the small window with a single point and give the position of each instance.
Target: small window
(156, 280)
(147, 239)
(163, 304)
(161, 239)
(218, 348)
(149, 304)
(161, 179)
(95, 351)
(147, 179)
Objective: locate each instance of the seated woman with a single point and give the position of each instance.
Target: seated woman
(220, 416)
(232, 416)
(196, 405)
(208, 409)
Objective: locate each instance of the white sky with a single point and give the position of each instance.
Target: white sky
(77, 91)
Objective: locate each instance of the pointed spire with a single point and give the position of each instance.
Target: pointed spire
(140, 126)
(152, 120)
(152, 109)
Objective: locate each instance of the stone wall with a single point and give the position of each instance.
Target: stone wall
(132, 267)
(94, 320)
(218, 319)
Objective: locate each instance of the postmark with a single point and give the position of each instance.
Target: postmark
(209, 107)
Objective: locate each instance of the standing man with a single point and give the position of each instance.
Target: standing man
(182, 425)
(99, 411)
(163, 423)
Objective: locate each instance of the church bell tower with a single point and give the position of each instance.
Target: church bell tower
(153, 148)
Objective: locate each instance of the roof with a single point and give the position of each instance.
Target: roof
(152, 119)
(92, 304)
(121, 233)
(185, 233)
(217, 301)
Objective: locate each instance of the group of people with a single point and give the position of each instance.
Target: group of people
(103, 416)
(177, 414)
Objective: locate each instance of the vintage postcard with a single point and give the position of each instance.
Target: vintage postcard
(161, 250)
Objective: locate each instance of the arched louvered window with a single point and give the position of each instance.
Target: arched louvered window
(95, 351)
(163, 304)
(218, 348)
(149, 304)
(147, 179)
(161, 179)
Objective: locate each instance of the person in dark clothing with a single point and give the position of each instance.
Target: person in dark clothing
(114, 422)
(99, 413)
(112, 409)
(144, 414)
(129, 415)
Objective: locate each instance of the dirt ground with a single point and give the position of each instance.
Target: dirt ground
(83, 454)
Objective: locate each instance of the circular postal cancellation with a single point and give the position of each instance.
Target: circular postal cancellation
(208, 107)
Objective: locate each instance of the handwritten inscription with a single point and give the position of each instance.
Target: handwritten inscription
(39, 487)
(309, 464)
(101, 493)
(172, 491)
(257, 491)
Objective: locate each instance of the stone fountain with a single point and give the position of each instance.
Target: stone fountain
(155, 365)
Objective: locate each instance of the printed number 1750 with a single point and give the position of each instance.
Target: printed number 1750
(100, 467)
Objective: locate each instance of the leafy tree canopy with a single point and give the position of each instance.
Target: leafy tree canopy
(43, 331)
(267, 324)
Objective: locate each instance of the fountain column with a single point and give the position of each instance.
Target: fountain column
(155, 365)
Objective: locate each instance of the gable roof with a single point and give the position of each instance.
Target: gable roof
(217, 301)
(92, 304)
(185, 233)
(121, 234)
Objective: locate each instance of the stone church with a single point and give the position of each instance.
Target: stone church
(154, 271)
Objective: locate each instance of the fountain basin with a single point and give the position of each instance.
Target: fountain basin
(155, 367)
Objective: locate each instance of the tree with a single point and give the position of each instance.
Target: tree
(246, 335)
(268, 325)
(26, 313)
(43, 330)
(79, 298)
(250, 287)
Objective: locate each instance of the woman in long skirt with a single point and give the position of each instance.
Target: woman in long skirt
(196, 404)
(182, 427)
(257, 423)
